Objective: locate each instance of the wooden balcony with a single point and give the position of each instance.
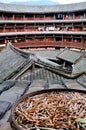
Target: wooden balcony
(50, 44)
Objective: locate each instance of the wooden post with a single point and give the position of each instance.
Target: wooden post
(84, 15)
(73, 16)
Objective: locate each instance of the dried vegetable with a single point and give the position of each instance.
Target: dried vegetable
(53, 110)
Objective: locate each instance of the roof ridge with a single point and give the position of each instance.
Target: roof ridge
(19, 51)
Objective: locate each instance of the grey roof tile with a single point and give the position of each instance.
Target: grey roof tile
(43, 9)
(10, 61)
(14, 92)
(4, 106)
(5, 118)
(82, 80)
(80, 66)
(6, 85)
(69, 55)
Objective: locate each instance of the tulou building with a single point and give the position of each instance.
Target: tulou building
(53, 26)
(42, 49)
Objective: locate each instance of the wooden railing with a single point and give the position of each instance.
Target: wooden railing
(22, 17)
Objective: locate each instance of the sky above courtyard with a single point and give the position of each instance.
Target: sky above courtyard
(60, 1)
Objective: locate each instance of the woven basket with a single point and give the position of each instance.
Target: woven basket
(13, 122)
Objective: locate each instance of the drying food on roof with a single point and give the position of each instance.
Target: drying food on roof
(51, 110)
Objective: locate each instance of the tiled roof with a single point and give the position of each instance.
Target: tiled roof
(74, 57)
(10, 62)
(13, 61)
(29, 81)
(80, 66)
(69, 55)
(42, 9)
(49, 54)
